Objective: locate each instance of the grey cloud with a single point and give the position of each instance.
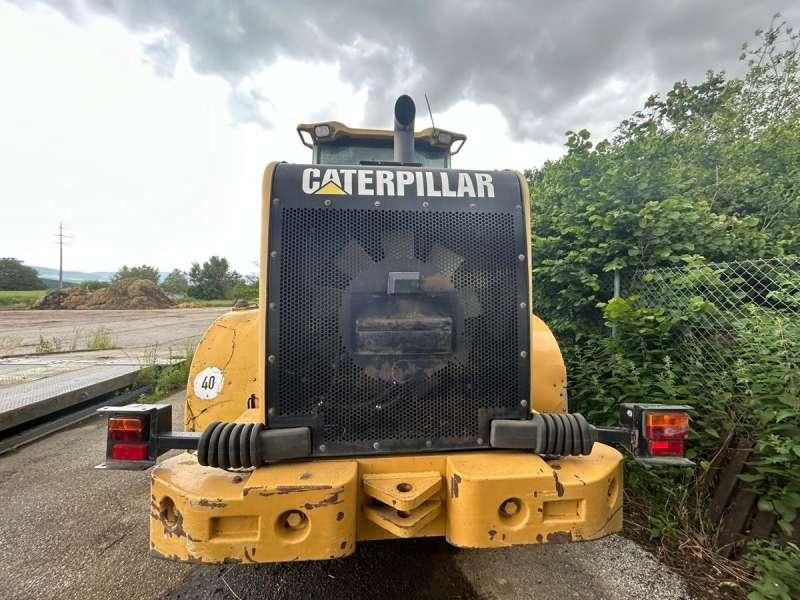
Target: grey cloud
(162, 54)
(538, 62)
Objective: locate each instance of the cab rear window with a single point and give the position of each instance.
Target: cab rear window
(353, 153)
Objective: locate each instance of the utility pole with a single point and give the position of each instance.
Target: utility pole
(60, 255)
(60, 237)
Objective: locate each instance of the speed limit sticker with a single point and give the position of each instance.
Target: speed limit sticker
(208, 383)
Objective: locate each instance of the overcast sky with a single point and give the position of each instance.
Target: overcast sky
(145, 125)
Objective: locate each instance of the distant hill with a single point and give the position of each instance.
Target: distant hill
(74, 276)
(80, 276)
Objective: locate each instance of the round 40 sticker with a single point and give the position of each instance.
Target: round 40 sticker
(208, 383)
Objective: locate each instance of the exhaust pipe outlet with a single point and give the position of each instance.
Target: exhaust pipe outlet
(404, 113)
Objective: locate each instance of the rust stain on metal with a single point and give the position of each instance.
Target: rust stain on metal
(555, 466)
(578, 477)
(212, 503)
(539, 538)
(492, 533)
(454, 485)
(247, 555)
(290, 489)
(559, 537)
(306, 475)
(343, 545)
(170, 528)
(329, 500)
(559, 485)
(339, 516)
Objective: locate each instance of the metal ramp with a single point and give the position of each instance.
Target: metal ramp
(28, 392)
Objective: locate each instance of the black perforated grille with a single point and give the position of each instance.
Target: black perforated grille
(314, 378)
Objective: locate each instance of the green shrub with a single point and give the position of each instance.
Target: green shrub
(100, 339)
(778, 569)
(169, 379)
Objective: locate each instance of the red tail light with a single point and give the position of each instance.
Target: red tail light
(666, 425)
(122, 429)
(666, 448)
(130, 451)
(128, 438)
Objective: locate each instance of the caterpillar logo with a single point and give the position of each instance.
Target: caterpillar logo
(378, 182)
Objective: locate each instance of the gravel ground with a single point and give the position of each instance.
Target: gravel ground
(20, 330)
(69, 531)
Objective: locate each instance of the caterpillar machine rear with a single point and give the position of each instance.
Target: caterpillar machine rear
(393, 382)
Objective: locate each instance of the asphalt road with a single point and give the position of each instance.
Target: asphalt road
(69, 531)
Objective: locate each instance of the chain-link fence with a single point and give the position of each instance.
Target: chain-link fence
(722, 304)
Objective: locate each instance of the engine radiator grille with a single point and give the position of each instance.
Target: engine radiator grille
(320, 253)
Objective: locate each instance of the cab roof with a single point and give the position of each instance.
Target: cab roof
(336, 131)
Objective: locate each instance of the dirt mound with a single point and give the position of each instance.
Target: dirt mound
(67, 298)
(122, 294)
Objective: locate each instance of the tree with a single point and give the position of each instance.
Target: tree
(214, 280)
(16, 276)
(176, 283)
(247, 288)
(140, 272)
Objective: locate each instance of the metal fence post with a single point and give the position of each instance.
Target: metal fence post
(616, 295)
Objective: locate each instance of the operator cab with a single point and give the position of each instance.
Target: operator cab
(334, 143)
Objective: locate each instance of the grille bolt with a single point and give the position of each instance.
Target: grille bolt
(523, 354)
(327, 202)
(518, 207)
(428, 444)
(523, 304)
(276, 200)
(322, 448)
(376, 445)
(271, 359)
(274, 253)
(480, 441)
(521, 258)
(377, 202)
(271, 411)
(426, 204)
(272, 305)
(523, 402)
(509, 508)
(378, 407)
(472, 205)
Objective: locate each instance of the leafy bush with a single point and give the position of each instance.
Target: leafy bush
(778, 568)
(707, 172)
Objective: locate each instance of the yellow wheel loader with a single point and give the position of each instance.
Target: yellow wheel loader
(393, 381)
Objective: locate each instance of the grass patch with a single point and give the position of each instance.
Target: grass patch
(49, 345)
(100, 339)
(166, 379)
(20, 299)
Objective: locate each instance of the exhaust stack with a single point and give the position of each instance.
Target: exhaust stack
(404, 113)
